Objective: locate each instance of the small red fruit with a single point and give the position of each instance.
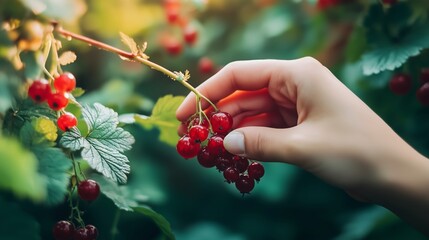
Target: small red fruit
(221, 122)
(206, 65)
(66, 82)
(215, 145)
(63, 230)
(173, 46)
(88, 190)
(198, 133)
(205, 159)
(389, 2)
(92, 232)
(400, 84)
(231, 174)
(241, 163)
(245, 184)
(187, 148)
(58, 101)
(190, 34)
(422, 94)
(39, 90)
(424, 75)
(81, 234)
(66, 121)
(256, 171)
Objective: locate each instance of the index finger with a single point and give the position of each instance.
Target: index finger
(239, 75)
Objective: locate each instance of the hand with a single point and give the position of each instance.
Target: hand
(298, 112)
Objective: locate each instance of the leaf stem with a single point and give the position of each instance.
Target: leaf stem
(114, 230)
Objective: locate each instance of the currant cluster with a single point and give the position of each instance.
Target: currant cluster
(41, 91)
(204, 140)
(88, 190)
(401, 84)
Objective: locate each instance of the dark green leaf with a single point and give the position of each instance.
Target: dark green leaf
(164, 118)
(105, 143)
(162, 223)
(16, 224)
(54, 166)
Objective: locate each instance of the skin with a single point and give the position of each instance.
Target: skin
(298, 112)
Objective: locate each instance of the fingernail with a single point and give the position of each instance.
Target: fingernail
(234, 143)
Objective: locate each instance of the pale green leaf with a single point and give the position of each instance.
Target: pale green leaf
(162, 223)
(163, 117)
(104, 144)
(18, 171)
(40, 131)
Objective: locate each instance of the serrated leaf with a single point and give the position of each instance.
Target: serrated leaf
(67, 58)
(118, 194)
(40, 131)
(164, 118)
(127, 40)
(54, 166)
(104, 144)
(18, 171)
(160, 221)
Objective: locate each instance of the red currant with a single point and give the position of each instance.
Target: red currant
(88, 190)
(205, 65)
(39, 90)
(198, 133)
(66, 82)
(231, 174)
(224, 161)
(173, 46)
(400, 84)
(92, 232)
(58, 101)
(221, 122)
(205, 159)
(63, 230)
(256, 171)
(424, 75)
(215, 145)
(389, 2)
(422, 94)
(190, 34)
(187, 148)
(241, 163)
(245, 184)
(66, 121)
(81, 234)
(172, 10)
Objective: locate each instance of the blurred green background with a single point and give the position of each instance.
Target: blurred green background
(288, 203)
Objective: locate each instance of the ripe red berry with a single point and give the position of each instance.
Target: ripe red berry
(173, 46)
(92, 232)
(81, 234)
(215, 145)
(245, 184)
(66, 82)
(66, 121)
(390, 2)
(187, 148)
(58, 101)
(256, 171)
(231, 174)
(205, 159)
(221, 122)
(424, 75)
(63, 230)
(39, 90)
(224, 161)
(88, 190)
(241, 163)
(198, 133)
(422, 94)
(172, 10)
(400, 84)
(205, 65)
(190, 34)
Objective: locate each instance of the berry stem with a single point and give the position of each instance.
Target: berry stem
(114, 230)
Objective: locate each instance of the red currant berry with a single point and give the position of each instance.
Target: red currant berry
(205, 159)
(172, 10)
(221, 122)
(424, 75)
(173, 46)
(400, 84)
(187, 148)
(215, 145)
(92, 231)
(422, 94)
(256, 171)
(63, 230)
(88, 190)
(66, 121)
(58, 101)
(241, 163)
(224, 161)
(81, 234)
(245, 184)
(389, 2)
(39, 90)
(190, 34)
(196, 121)
(205, 65)
(231, 174)
(66, 82)
(198, 133)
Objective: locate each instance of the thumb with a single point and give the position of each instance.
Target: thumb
(263, 143)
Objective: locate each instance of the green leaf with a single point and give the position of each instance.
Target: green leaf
(162, 223)
(40, 131)
(118, 194)
(18, 171)
(54, 166)
(104, 144)
(16, 224)
(164, 118)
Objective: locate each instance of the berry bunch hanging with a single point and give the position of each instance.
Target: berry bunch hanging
(401, 84)
(204, 140)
